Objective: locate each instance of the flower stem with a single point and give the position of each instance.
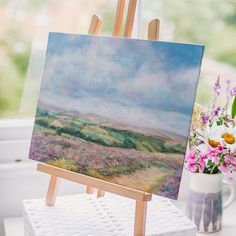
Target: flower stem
(212, 170)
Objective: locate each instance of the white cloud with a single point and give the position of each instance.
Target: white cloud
(75, 78)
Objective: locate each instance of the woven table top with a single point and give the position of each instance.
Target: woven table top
(111, 215)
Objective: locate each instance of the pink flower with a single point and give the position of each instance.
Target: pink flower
(202, 162)
(212, 151)
(192, 167)
(213, 154)
(230, 160)
(234, 168)
(190, 156)
(223, 169)
(216, 160)
(202, 166)
(221, 147)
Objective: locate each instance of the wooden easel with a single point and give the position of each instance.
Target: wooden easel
(102, 186)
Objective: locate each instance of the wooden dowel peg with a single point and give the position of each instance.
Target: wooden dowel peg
(52, 191)
(130, 18)
(154, 29)
(140, 218)
(95, 25)
(100, 193)
(119, 17)
(89, 190)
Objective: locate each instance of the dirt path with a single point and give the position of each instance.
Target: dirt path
(150, 180)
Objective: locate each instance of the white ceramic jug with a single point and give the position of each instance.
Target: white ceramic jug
(205, 205)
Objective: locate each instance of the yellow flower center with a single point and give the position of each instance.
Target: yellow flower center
(214, 143)
(229, 138)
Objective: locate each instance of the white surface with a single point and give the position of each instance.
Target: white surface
(111, 215)
(14, 226)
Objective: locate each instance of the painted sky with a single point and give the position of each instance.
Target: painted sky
(143, 83)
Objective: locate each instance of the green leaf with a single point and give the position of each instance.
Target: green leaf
(233, 112)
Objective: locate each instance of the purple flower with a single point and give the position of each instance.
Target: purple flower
(217, 87)
(233, 92)
(205, 117)
(201, 142)
(217, 111)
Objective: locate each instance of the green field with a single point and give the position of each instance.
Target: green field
(89, 131)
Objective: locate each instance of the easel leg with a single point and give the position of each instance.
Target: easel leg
(52, 191)
(89, 190)
(140, 218)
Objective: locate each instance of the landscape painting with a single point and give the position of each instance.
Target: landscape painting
(117, 109)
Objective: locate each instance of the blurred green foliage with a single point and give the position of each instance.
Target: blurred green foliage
(210, 22)
(15, 52)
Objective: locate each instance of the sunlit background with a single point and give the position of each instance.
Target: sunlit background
(24, 26)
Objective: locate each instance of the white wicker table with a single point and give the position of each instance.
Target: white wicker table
(111, 215)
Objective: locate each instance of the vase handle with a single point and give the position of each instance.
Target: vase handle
(230, 199)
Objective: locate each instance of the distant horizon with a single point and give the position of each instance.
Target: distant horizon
(156, 129)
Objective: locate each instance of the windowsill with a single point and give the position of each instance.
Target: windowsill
(15, 136)
(16, 122)
(14, 169)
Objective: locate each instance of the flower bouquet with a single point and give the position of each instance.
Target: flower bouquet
(211, 152)
(212, 141)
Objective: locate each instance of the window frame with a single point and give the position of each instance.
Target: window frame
(15, 136)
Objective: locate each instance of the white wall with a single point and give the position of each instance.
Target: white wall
(31, 184)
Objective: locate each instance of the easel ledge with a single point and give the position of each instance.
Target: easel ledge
(96, 183)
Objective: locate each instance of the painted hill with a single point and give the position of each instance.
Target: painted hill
(80, 126)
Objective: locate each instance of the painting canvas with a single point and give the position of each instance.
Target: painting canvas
(117, 109)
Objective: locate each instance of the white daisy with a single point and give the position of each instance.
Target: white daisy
(228, 134)
(215, 134)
